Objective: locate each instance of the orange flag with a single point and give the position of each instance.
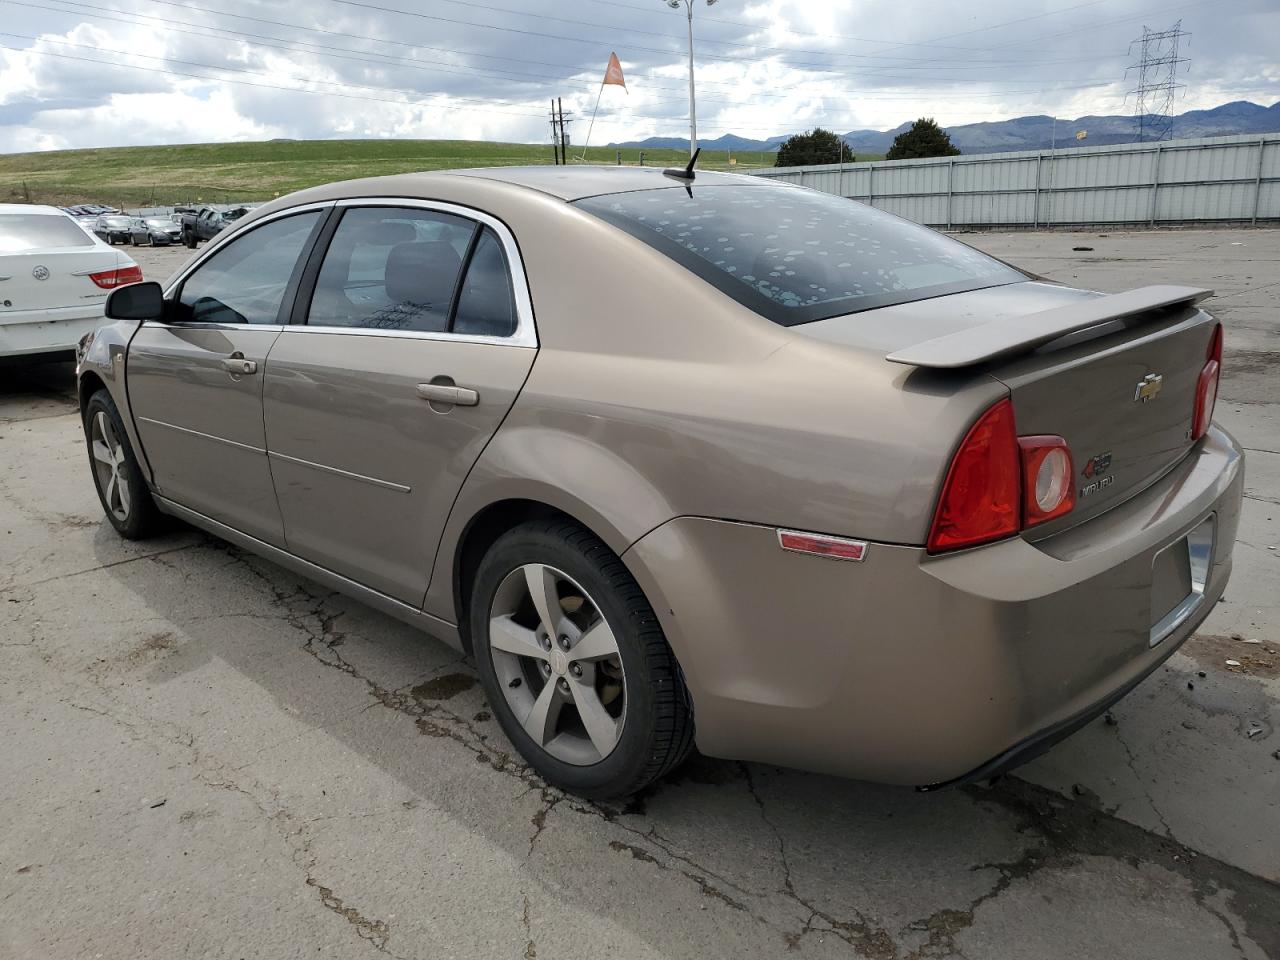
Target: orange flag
(613, 73)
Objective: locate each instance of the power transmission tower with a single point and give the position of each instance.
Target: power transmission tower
(1158, 85)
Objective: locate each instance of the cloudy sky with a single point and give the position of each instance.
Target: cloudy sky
(117, 72)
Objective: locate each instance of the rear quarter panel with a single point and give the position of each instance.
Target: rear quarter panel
(655, 396)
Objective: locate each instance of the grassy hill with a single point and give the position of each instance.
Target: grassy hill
(215, 172)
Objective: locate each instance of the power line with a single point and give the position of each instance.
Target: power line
(367, 5)
(345, 53)
(627, 117)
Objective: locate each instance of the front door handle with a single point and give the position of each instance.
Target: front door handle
(237, 365)
(448, 393)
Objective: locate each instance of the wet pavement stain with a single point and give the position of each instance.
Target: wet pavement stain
(443, 688)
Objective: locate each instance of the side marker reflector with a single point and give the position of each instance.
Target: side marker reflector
(819, 545)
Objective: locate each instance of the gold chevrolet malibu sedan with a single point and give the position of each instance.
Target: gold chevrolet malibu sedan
(689, 460)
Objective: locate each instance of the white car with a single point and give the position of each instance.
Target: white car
(54, 280)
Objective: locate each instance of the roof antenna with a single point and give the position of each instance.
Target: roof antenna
(687, 173)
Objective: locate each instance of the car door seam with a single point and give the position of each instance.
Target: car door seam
(435, 558)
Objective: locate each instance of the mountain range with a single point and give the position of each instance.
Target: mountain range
(1025, 133)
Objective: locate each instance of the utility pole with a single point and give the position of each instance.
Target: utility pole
(559, 132)
(693, 111)
(564, 133)
(555, 133)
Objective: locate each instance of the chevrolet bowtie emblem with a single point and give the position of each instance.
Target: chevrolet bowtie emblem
(1148, 388)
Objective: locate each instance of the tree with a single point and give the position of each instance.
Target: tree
(813, 146)
(923, 139)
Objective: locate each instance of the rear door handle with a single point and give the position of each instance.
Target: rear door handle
(239, 366)
(448, 393)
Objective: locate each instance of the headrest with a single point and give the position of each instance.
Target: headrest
(423, 273)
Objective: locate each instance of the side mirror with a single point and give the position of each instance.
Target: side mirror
(137, 301)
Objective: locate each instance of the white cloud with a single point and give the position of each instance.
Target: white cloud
(764, 67)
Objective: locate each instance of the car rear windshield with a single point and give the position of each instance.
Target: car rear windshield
(795, 255)
(20, 232)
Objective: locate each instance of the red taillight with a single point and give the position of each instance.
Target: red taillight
(1047, 479)
(117, 278)
(981, 497)
(1000, 483)
(1207, 386)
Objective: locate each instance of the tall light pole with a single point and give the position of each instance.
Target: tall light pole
(693, 112)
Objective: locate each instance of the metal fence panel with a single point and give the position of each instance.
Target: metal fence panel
(1216, 179)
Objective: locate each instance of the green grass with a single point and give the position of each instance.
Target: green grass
(215, 172)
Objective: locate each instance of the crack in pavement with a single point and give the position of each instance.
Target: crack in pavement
(10, 585)
(375, 931)
(216, 774)
(1072, 830)
(1131, 762)
(1064, 831)
(530, 950)
(1063, 836)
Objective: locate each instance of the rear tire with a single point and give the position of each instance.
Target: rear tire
(613, 680)
(122, 491)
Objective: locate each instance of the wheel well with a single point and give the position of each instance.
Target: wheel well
(481, 533)
(90, 383)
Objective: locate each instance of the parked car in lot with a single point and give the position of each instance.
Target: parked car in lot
(208, 222)
(155, 232)
(114, 228)
(773, 472)
(54, 280)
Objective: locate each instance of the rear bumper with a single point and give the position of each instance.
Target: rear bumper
(47, 331)
(922, 670)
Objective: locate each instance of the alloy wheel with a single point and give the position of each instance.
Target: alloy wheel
(558, 664)
(109, 466)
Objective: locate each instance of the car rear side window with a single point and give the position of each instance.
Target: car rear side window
(23, 232)
(391, 268)
(486, 304)
(245, 280)
(795, 255)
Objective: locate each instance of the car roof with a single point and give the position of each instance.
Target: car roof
(579, 182)
(31, 208)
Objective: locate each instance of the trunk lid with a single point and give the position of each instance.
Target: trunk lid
(1124, 403)
(49, 279)
(1083, 386)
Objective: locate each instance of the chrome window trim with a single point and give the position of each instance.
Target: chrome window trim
(526, 334)
(216, 244)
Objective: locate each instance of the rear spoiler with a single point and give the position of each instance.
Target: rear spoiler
(1020, 334)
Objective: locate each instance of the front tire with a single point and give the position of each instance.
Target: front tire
(574, 662)
(122, 491)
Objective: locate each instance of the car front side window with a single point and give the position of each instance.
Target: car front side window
(246, 279)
